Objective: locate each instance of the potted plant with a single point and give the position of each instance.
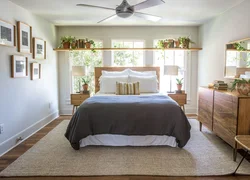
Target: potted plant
(176, 43)
(86, 81)
(179, 83)
(88, 43)
(242, 86)
(184, 42)
(239, 47)
(66, 41)
(163, 44)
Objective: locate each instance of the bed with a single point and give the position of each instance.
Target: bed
(148, 119)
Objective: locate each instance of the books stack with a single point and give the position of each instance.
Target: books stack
(220, 85)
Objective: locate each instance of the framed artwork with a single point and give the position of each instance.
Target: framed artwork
(19, 66)
(35, 71)
(7, 34)
(24, 35)
(39, 49)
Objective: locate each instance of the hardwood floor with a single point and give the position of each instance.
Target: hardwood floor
(12, 155)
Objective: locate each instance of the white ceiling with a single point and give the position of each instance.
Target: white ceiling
(173, 12)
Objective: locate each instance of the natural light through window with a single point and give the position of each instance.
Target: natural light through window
(169, 57)
(90, 60)
(128, 58)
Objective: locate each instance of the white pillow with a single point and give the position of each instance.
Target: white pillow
(148, 84)
(115, 73)
(143, 73)
(108, 83)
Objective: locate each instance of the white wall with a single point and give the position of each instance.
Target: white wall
(106, 34)
(24, 104)
(213, 35)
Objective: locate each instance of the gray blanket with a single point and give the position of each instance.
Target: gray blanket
(128, 115)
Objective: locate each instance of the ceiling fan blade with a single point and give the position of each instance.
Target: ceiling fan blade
(147, 16)
(147, 4)
(92, 6)
(108, 18)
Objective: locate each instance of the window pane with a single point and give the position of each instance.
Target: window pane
(129, 57)
(90, 60)
(169, 57)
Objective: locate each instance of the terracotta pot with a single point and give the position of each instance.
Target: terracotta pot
(243, 89)
(179, 86)
(177, 44)
(87, 45)
(166, 45)
(85, 87)
(66, 45)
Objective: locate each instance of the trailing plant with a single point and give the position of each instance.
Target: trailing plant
(184, 42)
(239, 47)
(165, 43)
(179, 81)
(90, 41)
(239, 81)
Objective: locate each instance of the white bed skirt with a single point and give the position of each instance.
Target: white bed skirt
(123, 140)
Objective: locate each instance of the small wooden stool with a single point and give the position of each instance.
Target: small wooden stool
(244, 141)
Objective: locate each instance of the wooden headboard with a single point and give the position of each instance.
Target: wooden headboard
(98, 72)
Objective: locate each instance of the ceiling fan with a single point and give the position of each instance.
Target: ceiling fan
(125, 10)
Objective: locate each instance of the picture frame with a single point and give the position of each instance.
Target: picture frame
(24, 37)
(19, 66)
(35, 71)
(39, 49)
(7, 34)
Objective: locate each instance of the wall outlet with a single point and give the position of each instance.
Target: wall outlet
(1, 128)
(50, 105)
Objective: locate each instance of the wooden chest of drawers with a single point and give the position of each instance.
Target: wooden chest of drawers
(225, 113)
(205, 108)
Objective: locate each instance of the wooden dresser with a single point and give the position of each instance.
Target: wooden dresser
(77, 99)
(180, 98)
(225, 113)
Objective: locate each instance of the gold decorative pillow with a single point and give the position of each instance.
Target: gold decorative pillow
(123, 88)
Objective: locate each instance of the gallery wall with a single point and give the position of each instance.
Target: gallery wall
(109, 33)
(26, 105)
(213, 35)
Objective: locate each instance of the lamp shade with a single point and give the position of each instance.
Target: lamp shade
(78, 71)
(170, 70)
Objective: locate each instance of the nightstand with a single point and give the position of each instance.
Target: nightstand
(77, 99)
(180, 98)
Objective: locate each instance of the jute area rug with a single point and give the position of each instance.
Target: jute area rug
(204, 155)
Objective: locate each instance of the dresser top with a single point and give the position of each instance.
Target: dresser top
(233, 93)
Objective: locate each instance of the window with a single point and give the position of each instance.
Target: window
(127, 57)
(169, 57)
(88, 59)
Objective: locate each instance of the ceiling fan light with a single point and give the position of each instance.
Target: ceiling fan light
(124, 14)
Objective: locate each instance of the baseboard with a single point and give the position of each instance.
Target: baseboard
(65, 111)
(26, 133)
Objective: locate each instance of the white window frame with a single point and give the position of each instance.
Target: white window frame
(128, 40)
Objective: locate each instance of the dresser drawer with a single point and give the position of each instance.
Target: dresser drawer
(77, 99)
(206, 94)
(79, 96)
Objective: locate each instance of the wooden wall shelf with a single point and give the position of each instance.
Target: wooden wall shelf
(125, 49)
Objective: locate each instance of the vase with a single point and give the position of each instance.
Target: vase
(179, 86)
(243, 89)
(85, 87)
(66, 45)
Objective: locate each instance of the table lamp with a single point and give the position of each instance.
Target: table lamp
(78, 71)
(170, 70)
